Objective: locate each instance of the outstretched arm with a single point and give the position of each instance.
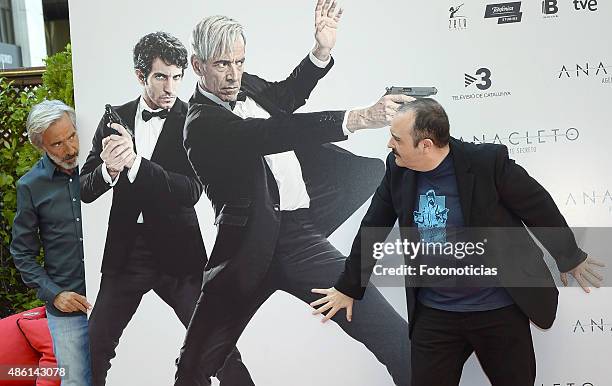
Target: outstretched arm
(350, 284)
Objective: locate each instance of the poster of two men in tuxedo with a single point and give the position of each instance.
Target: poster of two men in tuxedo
(171, 210)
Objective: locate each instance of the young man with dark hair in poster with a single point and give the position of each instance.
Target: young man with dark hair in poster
(278, 189)
(153, 240)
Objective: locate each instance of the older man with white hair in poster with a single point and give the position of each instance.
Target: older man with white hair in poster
(278, 189)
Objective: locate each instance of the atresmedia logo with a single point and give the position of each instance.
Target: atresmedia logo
(504, 12)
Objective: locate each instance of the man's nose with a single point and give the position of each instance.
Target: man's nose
(169, 86)
(72, 148)
(232, 73)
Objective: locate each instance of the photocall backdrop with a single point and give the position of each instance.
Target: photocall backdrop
(533, 75)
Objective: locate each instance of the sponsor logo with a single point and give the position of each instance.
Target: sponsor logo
(456, 21)
(481, 80)
(581, 5)
(505, 13)
(550, 9)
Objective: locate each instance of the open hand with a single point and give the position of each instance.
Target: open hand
(333, 301)
(586, 274)
(327, 16)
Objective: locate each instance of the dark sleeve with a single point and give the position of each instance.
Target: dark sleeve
(168, 186)
(222, 132)
(26, 244)
(526, 198)
(292, 93)
(381, 215)
(92, 182)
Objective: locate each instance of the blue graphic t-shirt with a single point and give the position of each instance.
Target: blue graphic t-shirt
(439, 218)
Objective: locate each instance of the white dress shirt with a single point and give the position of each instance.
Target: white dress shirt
(284, 166)
(147, 134)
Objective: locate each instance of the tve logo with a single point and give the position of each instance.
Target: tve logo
(591, 5)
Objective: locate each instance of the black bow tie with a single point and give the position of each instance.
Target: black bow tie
(146, 114)
(240, 97)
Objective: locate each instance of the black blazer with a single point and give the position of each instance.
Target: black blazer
(228, 155)
(494, 192)
(165, 190)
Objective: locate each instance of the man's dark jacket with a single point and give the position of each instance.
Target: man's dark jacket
(165, 190)
(228, 154)
(495, 194)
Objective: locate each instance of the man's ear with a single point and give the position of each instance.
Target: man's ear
(141, 78)
(428, 144)
(197, 65)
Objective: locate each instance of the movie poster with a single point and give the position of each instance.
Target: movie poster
(189, 199)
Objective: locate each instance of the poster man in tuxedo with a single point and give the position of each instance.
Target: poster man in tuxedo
(153, 240)
(278, 189)
(481, 187)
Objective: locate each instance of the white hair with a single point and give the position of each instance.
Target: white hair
(215, 36)
(43, 115)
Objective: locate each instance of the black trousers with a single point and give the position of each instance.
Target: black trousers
(119, 297)
(442, 341)
(303, 260)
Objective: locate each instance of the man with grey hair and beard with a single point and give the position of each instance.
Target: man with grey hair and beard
(279, 189)
(49, 214)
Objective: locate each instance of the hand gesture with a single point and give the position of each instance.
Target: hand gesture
(327, 16)
(585, 273)
(333, 301)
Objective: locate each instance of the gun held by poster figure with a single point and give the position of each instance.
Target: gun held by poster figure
(415, 92)
(111, 116)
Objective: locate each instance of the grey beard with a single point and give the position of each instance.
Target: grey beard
(63, 164)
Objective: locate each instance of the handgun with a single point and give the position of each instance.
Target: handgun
(111, 116)
(415, 92)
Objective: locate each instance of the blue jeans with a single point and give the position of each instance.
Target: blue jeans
(71, 347)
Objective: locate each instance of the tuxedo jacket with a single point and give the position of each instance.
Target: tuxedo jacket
(228, 152)
(495, 193)
(165, 191)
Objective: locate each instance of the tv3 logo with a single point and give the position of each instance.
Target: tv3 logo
(483, 76)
